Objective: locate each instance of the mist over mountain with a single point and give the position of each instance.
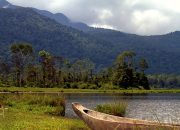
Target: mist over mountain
(57, 34)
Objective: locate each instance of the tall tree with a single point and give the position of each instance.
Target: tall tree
(143, 80)
(22, 54)
(48, 68)
(126, 58)
(124, 68)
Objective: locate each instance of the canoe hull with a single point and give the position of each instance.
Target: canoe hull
(99, 121)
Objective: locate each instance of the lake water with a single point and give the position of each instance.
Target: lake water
(156, 107)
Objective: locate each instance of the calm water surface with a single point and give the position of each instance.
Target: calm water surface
(156, 107)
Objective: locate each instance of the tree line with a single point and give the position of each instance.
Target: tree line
(27, 69)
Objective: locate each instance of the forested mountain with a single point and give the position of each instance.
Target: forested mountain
(24, 24)
(100, 45)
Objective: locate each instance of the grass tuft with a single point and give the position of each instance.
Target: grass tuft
(116, 108)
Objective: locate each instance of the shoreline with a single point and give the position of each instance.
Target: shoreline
(28, 90)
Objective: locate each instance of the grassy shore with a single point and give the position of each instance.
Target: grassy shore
(60, 90)
(34, 112)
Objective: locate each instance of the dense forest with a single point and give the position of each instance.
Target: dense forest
(26, 69)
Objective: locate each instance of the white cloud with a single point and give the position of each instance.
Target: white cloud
(143, 17)
(103, 26)
(149, 20)
(105, 14)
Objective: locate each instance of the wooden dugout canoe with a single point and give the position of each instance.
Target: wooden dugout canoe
(100, 121)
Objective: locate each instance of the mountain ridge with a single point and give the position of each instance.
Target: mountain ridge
(64, 20)
(59, 17)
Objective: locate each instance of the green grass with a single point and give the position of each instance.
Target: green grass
(35, 103)
(36, 112)
(116, 108)
(17, 120)
(60, 90)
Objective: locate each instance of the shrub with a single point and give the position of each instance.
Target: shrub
(57, 102)
(116, 108)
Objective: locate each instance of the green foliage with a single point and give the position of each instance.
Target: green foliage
(21, 49)
(143, 81)
(48, 69)
(116, 108)
(125, 73)
(21, 56)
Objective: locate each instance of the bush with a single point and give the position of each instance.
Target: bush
(117, 109)
(57, 102)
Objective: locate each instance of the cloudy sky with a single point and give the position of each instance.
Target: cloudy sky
(144, 17)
